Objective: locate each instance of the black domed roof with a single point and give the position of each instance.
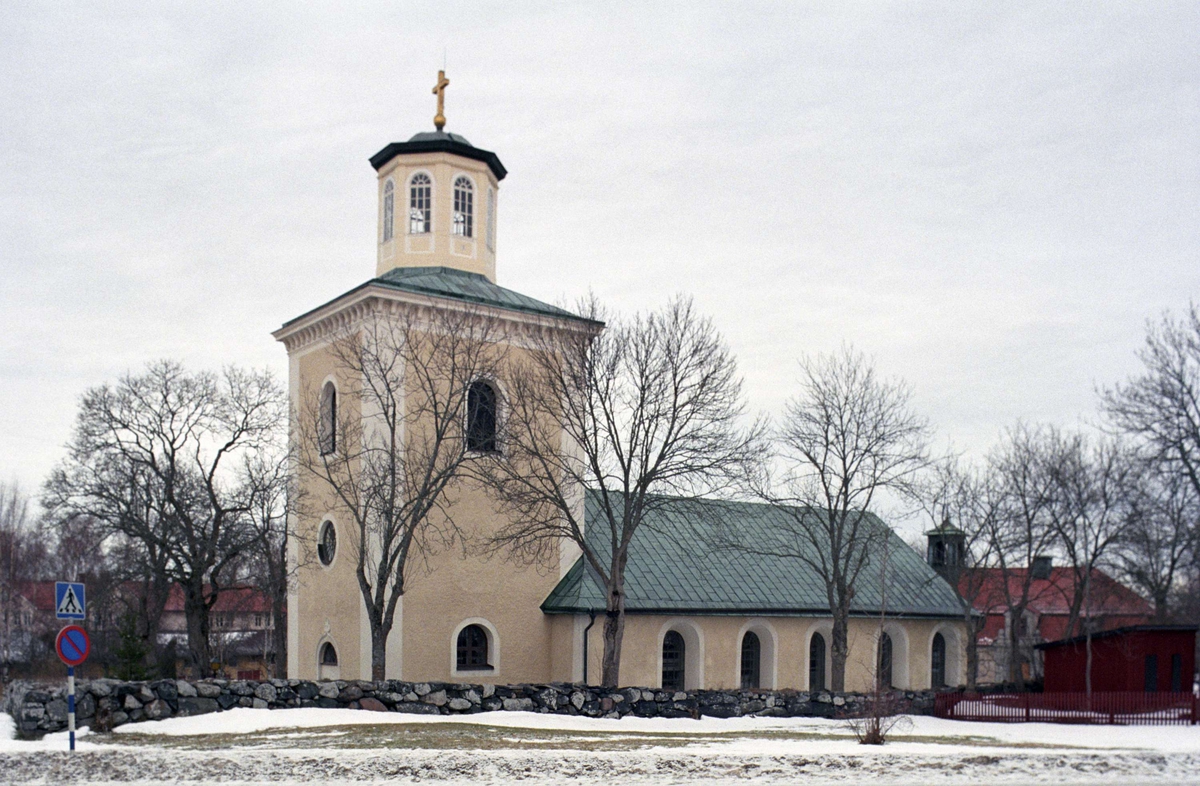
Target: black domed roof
(439, 142)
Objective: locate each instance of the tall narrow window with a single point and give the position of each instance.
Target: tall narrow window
(1176, 673)
(389, 209)
(884, 670)
(328, 425)
(491, 219)
(472, 648)
(751, 659)
(937, 662)
(481, 417)
(816, 662)
(464, 207)
(1151, 682)
(673, 660)
(420, 198)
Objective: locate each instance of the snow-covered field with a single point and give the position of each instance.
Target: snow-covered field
(354, 746)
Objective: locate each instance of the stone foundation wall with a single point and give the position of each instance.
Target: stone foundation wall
(105, 704)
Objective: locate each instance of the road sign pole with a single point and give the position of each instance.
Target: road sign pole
(71, 705)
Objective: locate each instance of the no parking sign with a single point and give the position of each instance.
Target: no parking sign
(73, 645)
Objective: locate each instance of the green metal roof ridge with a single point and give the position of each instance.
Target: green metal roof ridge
(455, 285)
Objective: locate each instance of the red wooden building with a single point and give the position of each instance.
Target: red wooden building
(1150, 658)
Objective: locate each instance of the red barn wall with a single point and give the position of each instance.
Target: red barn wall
(1119, 662)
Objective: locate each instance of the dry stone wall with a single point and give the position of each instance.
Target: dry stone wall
(105, 704)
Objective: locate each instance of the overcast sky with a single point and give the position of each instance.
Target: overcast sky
(988, 199)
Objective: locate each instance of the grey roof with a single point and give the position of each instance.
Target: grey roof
(670, 570)
(439, 142)
(457, 284)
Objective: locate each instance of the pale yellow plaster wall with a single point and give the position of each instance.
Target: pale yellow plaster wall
(329, 603)
(719, 639)
(439, 247)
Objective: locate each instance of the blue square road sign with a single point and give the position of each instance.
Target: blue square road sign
(70, 601)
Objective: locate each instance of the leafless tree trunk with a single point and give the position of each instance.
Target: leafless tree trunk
(23, 553)
(1022, 528)
(847, 438)
(650, 406)
(400, 453)
(274, 496)
(1093, 485)
(154, 458)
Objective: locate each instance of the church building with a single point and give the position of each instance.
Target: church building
(696, 618)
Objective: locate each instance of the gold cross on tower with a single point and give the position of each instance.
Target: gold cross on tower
(439, 89)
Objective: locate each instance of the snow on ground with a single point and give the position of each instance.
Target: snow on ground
(353, 746)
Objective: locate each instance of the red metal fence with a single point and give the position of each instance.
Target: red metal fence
(1129, 708)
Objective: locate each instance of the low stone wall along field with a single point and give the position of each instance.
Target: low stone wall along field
(105, 704)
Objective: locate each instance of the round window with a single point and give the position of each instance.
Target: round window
(327, 544)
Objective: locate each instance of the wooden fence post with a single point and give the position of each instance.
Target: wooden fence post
(1027, 707)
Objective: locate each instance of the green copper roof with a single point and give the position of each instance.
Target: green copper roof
(455, 284)
(670, 571)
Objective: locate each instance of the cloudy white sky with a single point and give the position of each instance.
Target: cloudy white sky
(990, 199)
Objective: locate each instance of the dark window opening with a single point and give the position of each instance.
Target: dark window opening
(1151, 684)
(481, 417)
(884, 667)
(472, 649)
(673, 660)
(938, 662)
(327, 545)
(328, 655)
(328, 436)
(1176, 673)
(816, 662)
(751, 657)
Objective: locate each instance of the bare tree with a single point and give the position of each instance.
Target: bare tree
(1161, 407)
(1161, 539)
(848, 438)
(955, 502)
(1019, 528)
(154, 458)
(1093, 485)
(273, 497)
(651, 406)
(23, 553)
(394, 461)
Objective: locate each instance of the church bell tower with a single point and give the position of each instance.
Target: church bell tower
(438, 200)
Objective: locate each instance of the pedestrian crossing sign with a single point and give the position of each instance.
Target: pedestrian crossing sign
(70, 602)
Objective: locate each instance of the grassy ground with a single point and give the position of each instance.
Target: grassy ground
(462, 736)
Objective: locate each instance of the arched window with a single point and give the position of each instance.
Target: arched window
(491, 219)
(328, 435)
(816, 662)
(937, 662)
(472, 649)
(420, 200)
(673, 660)
(328, 655)
(327, 543)
(464, 207)
(884, 670)
(389, 209)
(751, 659)
(481, 417)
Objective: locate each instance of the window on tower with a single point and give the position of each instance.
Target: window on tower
(464, 207)
(389, 209)
(491, 220)
(419, 204)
